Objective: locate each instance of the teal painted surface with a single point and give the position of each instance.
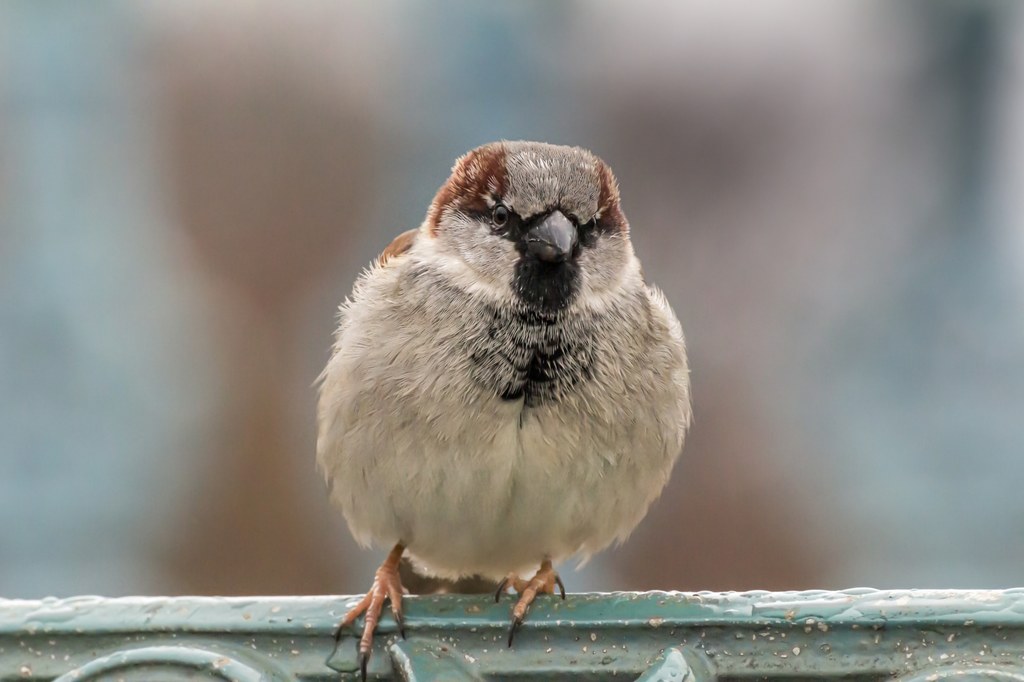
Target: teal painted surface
(923, 636)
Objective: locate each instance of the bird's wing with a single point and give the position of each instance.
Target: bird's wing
(397, 247)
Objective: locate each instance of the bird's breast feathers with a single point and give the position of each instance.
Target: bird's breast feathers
(454, 410)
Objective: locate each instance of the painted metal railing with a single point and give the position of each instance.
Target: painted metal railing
(919, 636)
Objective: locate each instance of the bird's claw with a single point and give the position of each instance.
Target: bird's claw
(400, 618)
(364, 661)
(544, 582)
(516, 622)
(502, 586)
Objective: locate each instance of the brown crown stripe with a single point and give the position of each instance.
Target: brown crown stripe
(474, 175)
(612, 218)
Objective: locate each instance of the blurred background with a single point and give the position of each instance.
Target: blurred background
(830, 194)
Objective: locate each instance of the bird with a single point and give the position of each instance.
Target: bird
(505, 390)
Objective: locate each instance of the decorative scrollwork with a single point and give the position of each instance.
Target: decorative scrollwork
(165, 662)
(670, 667)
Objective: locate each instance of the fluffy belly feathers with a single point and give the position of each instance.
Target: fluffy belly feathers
(502, 487)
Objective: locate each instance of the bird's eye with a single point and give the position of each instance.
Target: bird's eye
(500, 215)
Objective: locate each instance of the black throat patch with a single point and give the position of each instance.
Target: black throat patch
(530, 356)
(548, 287)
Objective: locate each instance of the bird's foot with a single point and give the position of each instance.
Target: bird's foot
(543, 582)
(512, 581)
(387, 586)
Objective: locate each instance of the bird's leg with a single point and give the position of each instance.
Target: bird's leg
(543, 582)
(386, 586)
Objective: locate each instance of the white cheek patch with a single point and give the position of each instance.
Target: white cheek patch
(433, 252)
(607, 274)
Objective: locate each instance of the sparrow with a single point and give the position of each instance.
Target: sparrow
(505, 390)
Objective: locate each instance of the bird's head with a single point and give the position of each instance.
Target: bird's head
(537, 222)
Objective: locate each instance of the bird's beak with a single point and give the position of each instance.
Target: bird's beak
(553, 239)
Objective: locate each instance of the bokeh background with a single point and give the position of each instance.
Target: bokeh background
(831, 194)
